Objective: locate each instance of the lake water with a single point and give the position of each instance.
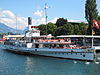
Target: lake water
(14, 64)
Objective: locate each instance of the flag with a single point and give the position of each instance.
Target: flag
(96, 24)
(93, 32)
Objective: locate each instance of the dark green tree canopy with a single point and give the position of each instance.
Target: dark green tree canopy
(83, 28)
(99, 18)
(90, 13)
(42, 29)
(50, 28)
(66, 29)
(61, 22)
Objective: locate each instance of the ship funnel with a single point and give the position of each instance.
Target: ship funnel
(29, 23)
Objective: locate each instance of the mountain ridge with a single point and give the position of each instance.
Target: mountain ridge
(5, 29)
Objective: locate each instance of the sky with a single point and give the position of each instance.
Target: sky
(15, 12)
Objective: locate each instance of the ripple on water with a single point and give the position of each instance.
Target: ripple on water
(14, 64)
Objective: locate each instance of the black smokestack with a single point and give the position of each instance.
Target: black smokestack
(29, 21)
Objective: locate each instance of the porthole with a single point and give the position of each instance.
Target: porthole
(83, 55)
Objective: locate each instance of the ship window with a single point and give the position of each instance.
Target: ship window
(62, 53)
(51, 53)
(46, 45)
(80, 53)
(71, 52)
(83, 55)
(35, 49)
(58, 53)
(36, 45)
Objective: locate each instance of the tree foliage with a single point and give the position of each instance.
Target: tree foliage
(61, 22)
(83, 28)
(42, 29)
(77, 30)
(99, 18)
(66, 29)
(90, 13)
(51, 28)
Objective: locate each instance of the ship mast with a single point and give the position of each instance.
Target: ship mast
(46, 17)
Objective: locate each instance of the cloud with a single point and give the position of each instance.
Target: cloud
(38, 13)
(73, 20)
(43, 21)
(37, 22)
(79, 21)
(10, 19)
(53, 20)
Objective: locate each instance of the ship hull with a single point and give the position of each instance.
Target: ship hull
(57, 53)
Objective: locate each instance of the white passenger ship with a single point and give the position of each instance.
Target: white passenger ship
(33, 43)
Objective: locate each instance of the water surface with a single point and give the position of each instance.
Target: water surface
(15, 64)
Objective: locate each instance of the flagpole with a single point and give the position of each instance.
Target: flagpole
(92, 38)
(92, 35)
(16, 24)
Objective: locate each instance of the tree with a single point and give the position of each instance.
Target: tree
(77, 30)
(99, 18)
(58, 31)
(83, 28)
(61, 22)
(66, 29)
(90, 14)
(51, 28)
(42, 29)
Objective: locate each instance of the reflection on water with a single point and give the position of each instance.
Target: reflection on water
(14, 64)
(28, 67)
